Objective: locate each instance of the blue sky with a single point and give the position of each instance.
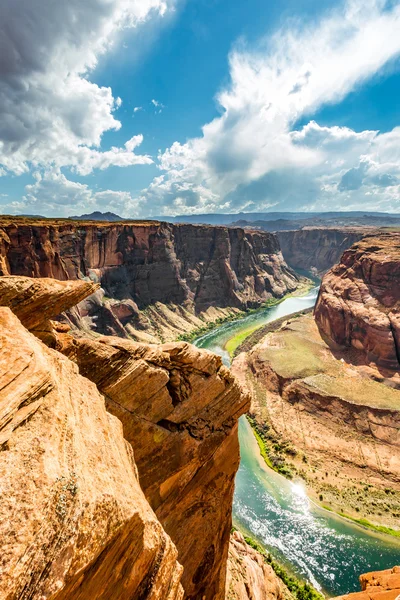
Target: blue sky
(256, 105)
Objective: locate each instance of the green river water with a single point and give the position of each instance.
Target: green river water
(325, 549)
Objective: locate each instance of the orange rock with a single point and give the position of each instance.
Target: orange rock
(377, 585)
(179, 407)
(359, 300)
(249, 577)
(74, 522)
(35, 301)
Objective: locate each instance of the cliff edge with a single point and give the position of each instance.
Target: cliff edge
(118, 459)
(158, 280)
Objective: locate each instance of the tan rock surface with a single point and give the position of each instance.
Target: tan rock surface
(179, 407)
(359, 301)
(35, 301)
(249, 577)
(74, 522)
(377, 585)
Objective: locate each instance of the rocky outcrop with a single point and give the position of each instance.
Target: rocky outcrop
(74, 520)
(318, 248)
(158, 280)
(377, 585)
(249, 576)
(359, 301)
(179, 407)
(79, 522)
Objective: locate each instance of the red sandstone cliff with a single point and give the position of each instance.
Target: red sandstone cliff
(157, 278)
(359, 300)
(318, 247)
(74, 520)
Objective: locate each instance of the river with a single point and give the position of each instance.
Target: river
(325, 549)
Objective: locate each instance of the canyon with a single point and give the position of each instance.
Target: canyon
(158, 280)
(359, 302)
(117, 462)
(119, 456)
(325, 389)
(318, 248)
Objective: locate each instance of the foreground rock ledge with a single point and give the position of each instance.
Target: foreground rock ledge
(74, 522)
(179, 407)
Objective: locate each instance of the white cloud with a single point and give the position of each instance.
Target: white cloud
(50, 111)
(137, 109)
(158, 106)
(251, 157)
(53, 194)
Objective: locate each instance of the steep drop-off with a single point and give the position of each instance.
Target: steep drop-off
(359, 301)
(75, 521)
(318, 248)
(158, 280)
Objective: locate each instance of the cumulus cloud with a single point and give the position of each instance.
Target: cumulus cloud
(51, 112)
(252, 155)
(54, 195)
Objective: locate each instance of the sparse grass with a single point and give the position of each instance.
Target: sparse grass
(271, 448)
(199, 331)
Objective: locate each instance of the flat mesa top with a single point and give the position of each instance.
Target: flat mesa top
(7, 220)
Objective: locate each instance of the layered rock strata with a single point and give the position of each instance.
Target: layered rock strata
(74, 520)
(158, 280)
(377, 585)
(332, 422)
(318, 248)
(88, 529)
(179, 408)
(359, 302)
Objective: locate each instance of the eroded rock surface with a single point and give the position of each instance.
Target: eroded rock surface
(359, 301)
(249, 577)
(179, 407)
(159, 280)
(74, 520)
(377, 585)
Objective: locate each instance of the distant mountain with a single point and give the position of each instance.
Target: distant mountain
(98, 216)
(351, 218)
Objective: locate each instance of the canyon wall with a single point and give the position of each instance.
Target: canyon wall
(359, 301)
(317, 247)
(158, 280)
(118, 458)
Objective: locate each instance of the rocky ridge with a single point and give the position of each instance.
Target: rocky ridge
(94, 507)
(249, 577)
(318, 248)
(158, 280)
(359, 301)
